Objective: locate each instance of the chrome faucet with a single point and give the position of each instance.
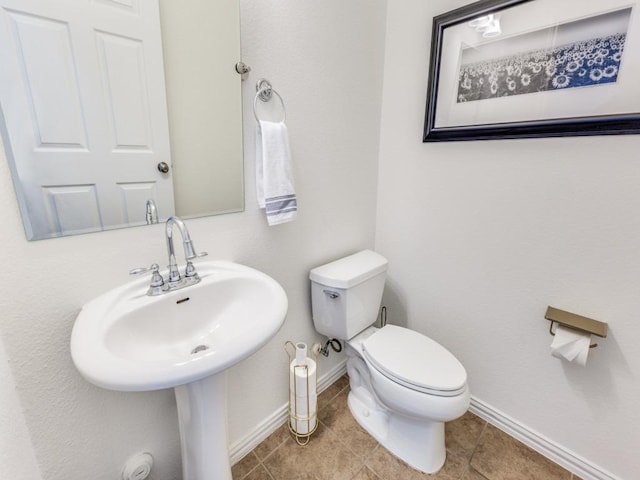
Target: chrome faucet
(190, 274)
(176, 281)
(151, 215)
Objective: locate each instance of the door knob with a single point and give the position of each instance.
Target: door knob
(163, 167)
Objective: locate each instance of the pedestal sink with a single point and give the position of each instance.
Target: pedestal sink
(186, 339)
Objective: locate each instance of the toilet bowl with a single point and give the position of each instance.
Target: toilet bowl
(405, 413)
(403, 385)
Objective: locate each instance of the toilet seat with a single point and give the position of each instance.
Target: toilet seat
(415, 361)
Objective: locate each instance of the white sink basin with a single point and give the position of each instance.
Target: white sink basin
(126, 340)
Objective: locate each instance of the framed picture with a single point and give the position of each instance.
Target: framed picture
(534, 68)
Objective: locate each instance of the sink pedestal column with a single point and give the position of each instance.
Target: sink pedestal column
(202, 413)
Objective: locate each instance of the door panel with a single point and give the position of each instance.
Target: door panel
(72, 208)
(48, 70)
(122, 66)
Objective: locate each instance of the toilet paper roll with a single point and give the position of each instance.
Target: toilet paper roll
(303, 398)
(298, 384)
(302, 427)
(301, 353)
(300, 408)
(571, 345)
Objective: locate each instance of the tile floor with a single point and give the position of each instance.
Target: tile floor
(341, 450)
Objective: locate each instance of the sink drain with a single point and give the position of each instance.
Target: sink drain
(199, 348)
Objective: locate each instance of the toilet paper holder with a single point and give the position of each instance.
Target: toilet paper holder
(310, 387)
(577, 322)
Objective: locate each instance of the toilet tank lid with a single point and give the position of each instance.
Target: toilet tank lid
(349, 271)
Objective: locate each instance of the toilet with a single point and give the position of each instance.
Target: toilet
(403, 385)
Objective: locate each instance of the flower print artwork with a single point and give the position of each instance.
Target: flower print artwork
(582, 63)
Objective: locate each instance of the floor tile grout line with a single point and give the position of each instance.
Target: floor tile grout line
(366, 464)
(477, 472)
(475, 447)
(364, 458)
(365, 467)
(331, 399)
(367, 457)
(289, 435)
(266, 469)
(266, 457)
(375, 474)
(250, 470)
(255, 466)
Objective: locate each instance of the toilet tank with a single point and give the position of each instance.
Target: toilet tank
(346, 294)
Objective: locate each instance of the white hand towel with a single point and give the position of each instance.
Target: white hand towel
(274, 180)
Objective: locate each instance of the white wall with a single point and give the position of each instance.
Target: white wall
(17, 459)
(325, 59)
(482, 236)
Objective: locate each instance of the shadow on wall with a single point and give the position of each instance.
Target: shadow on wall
(395, 306)
(607, 357)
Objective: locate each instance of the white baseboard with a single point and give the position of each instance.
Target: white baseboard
(556, 453)
(243, 446)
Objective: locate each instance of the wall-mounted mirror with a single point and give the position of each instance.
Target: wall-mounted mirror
(120, 112)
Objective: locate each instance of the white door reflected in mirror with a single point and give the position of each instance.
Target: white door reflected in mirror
(84, 107)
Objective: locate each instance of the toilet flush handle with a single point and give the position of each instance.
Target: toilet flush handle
(332, 294)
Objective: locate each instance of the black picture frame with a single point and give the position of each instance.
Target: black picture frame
(581, 125)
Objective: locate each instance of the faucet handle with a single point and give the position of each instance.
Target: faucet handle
(156, 278)
(137, 271)
(190, 270)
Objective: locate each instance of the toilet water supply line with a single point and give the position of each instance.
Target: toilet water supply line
(335, 344)
(383, 316)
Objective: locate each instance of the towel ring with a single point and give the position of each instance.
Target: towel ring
(264, 92)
